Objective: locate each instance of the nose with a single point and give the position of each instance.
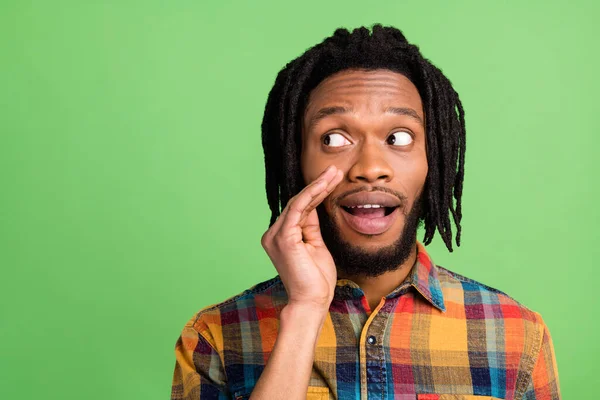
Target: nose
(371, 165)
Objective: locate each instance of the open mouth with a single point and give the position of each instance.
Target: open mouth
(369, 210)
(370, 219)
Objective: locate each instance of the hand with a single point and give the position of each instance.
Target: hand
(296, 248)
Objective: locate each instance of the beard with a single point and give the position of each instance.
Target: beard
(351, 260)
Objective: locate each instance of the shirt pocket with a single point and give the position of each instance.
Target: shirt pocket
(313, 393)
(454, 397)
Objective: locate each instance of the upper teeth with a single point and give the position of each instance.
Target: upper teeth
(367, 206)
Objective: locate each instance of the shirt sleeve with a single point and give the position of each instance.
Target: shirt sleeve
(199, 372)
(544, 383)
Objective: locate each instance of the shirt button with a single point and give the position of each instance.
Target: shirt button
(371, 340)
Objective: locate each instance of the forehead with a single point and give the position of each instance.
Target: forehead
(365, 89)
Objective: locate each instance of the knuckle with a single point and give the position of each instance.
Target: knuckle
(283, 242)
(265, 239)
(278, 241)
(296, 208)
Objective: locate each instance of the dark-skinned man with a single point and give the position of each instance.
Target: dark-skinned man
(364, 141)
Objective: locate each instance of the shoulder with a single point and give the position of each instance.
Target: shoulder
(262, 300)
(495, 323)
(473, 291)
(475, 300)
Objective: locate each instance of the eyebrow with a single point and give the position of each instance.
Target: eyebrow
(409, 112)
(327, 111)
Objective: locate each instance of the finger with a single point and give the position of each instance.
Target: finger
(297, 205)
(311, 231)
(322, 196)
(322, 180)
(300, 209)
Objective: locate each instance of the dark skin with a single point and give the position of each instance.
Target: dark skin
(370, 125)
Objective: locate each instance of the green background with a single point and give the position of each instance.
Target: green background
(132, 182)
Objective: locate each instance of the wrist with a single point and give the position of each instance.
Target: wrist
(303, 316)
(307, 308)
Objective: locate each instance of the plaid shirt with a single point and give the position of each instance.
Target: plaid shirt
(437, 336)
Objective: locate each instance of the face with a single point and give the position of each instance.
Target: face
(369, 124)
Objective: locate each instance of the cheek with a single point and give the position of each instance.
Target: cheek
(308, 163)
(419, 183)
(411, 176)
(309, 168)
(313, 162)
(421, 173)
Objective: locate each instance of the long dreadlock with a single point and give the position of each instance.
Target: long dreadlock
(383, 48)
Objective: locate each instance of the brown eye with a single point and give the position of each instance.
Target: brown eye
(400, 138)
(335, 140)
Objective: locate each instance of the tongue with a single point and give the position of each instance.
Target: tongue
(369, 212)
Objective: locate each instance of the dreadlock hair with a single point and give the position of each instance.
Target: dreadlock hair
(383, 48)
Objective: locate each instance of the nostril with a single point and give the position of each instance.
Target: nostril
(367, 179)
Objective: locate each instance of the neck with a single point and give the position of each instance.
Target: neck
(380, 286)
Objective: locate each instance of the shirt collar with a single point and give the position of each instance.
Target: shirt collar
(423, 277)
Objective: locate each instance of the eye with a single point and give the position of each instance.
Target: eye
(335, 140)
(401, 138)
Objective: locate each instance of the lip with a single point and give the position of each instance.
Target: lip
(370, 226)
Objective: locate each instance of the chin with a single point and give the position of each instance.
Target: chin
(370, 243)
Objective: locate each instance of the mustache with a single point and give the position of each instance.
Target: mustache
(401, 196)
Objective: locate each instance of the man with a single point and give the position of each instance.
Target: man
(364, 140)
